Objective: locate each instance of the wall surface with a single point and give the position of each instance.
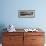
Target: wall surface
(9, 13)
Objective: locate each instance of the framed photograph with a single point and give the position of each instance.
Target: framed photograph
(26, 13)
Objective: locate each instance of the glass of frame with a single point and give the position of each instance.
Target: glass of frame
(26, 13)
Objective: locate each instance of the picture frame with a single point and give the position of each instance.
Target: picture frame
(26, 13)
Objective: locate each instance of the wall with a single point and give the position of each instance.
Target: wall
(9, 13)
